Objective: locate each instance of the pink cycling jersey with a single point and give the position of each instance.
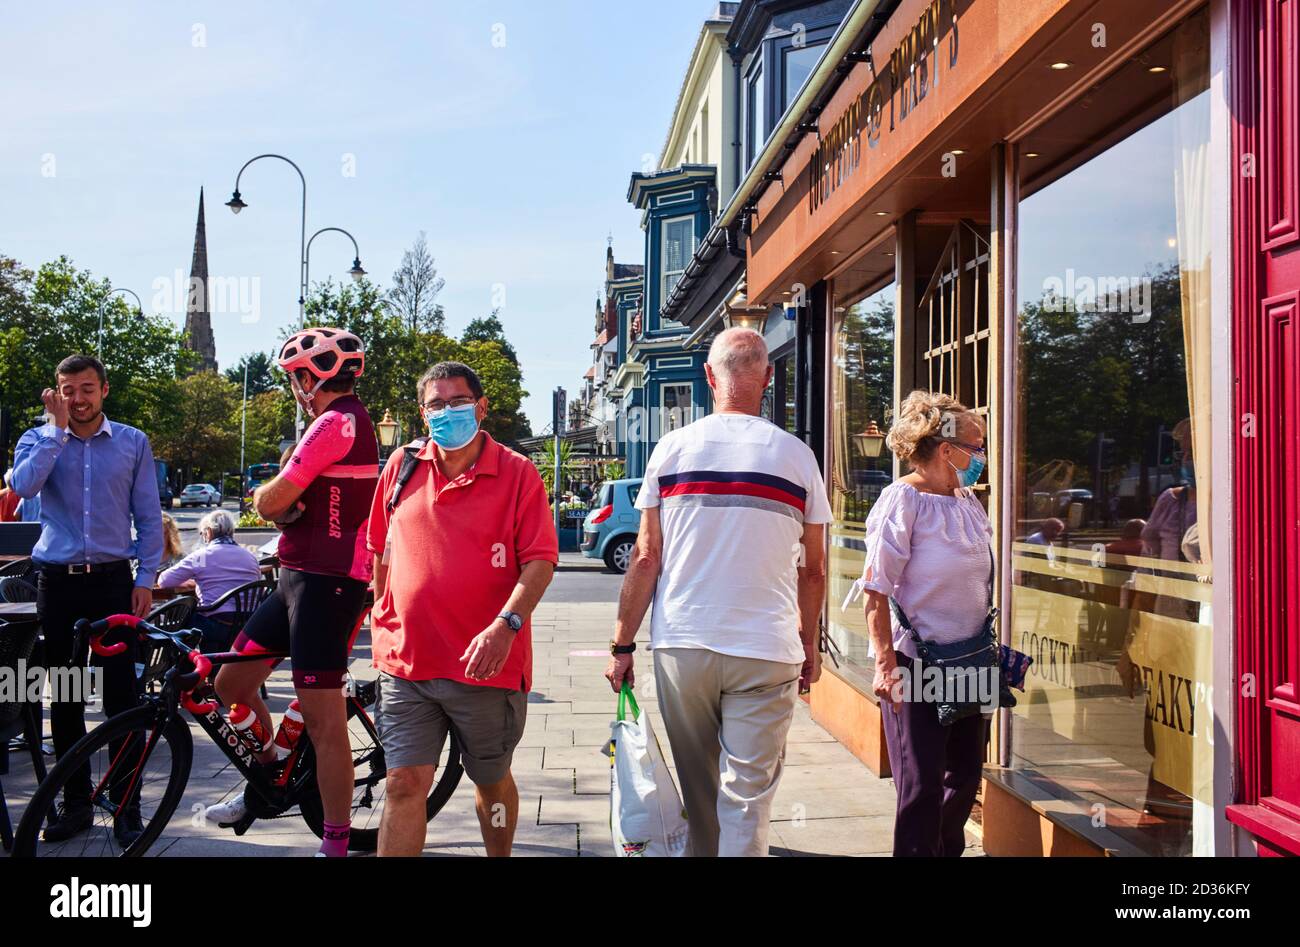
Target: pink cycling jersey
(337, 465)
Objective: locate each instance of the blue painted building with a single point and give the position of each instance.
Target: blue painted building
(661, 380)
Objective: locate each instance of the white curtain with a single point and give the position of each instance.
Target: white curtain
(1191, 61)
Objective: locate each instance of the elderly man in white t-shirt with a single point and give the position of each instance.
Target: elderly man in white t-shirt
(732, 553)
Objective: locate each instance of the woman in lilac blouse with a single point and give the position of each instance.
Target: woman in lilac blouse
(217, 565)
(929, 548)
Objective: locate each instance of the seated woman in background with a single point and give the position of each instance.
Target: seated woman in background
(217, 565)
(173, 549)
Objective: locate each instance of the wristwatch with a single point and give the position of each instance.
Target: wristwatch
(513, 620)
(616, 648)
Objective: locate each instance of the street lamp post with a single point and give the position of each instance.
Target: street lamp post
(99, 338)
(356, 272)
(236, 204)
(243, 435)
(387, 430)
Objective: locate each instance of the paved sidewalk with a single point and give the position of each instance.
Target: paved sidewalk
(828, 802)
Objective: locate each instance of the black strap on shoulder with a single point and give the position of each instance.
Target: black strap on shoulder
(410, 461)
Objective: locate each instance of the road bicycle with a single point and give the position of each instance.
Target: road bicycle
(142, 757)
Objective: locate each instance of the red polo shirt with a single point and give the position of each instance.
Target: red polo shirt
(454, 551)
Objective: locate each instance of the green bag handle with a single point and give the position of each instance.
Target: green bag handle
(625, 697)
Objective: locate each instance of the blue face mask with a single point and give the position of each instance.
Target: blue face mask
(971, 475)
(1188, 472)
(453, 428)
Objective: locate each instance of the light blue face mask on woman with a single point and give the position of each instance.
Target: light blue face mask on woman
(453, 428)
(971, 475)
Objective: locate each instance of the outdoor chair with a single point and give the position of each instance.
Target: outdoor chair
(246, 599)
(273, 572)
(14, 590)
(174, 615)
(22, 568)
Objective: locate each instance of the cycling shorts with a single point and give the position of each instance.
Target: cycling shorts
(314, 618)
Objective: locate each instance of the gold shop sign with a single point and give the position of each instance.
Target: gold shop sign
(911, 74)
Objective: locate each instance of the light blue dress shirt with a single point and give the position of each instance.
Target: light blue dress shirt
(91, 491)
(29, 509)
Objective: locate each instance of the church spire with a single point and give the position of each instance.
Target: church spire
(198, 320)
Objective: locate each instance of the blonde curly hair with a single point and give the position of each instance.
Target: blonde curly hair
(925, 420)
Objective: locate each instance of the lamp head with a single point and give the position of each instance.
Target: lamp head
(236, 203)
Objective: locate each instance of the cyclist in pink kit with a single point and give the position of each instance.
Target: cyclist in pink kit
(321, 502)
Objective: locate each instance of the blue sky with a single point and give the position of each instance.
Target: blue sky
(506, 131)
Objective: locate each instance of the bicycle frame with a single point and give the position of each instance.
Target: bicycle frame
(278, 787)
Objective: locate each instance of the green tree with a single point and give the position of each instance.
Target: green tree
(269, 421)
(54, 313)
(414, 294)
(544, 461)
(199, 436)
(489, 329)
(263, 375)
(395, 355)
(503, 386)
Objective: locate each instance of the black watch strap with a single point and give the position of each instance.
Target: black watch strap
(615, 648)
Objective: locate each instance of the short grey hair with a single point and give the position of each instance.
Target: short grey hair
(444, 370)
(738, 351)
(217, 524)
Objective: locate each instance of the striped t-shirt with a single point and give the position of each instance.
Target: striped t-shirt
(735, 492)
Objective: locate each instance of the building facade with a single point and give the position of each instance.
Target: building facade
(1082, 219)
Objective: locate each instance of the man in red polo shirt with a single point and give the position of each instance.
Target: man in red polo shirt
(463, 553)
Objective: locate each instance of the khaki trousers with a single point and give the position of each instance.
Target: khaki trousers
(727, 719)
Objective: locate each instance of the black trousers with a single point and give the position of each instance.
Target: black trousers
(937, 772)
(62, 600)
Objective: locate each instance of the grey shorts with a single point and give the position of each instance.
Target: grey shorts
(414, 716)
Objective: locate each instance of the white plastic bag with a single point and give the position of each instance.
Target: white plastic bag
(645, 812)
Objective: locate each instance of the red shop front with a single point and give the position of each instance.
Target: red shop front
(1265, 111)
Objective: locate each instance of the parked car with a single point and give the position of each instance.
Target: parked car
(200, 494)
(609, 530)
(872, 478)
(1065, 498)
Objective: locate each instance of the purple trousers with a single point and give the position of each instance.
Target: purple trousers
(936, 772)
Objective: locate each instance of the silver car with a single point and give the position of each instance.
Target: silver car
(200, 494)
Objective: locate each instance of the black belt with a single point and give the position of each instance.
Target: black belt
(85, 568)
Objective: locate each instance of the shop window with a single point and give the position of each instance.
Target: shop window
(678, 245)
(954, 315)
(862, 392)
(797, 64)
(1111, 544)
(676, 409)
(755, 116)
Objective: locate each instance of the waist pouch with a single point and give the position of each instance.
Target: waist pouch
(973, 659)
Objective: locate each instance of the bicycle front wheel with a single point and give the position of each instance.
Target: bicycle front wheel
(138, 760)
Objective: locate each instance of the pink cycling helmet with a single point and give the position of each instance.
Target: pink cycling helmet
(324, 352)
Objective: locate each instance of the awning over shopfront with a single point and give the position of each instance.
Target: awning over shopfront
(910, 124)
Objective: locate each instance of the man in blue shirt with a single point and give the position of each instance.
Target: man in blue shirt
(95, 478)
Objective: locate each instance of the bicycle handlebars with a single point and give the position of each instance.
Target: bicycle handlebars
(187, 683)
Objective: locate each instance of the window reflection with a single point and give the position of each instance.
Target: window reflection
(1111, 551)
(862, 391)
